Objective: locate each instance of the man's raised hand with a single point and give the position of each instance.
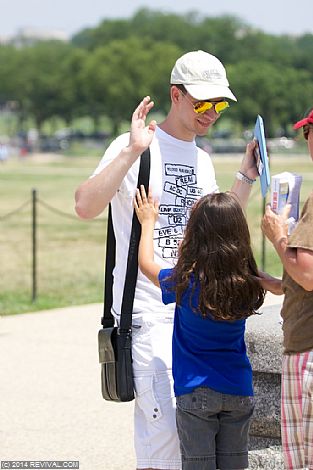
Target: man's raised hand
(141, 134)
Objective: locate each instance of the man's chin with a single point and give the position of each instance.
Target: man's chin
(203, 133)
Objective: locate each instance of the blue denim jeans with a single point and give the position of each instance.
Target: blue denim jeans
(213, 429)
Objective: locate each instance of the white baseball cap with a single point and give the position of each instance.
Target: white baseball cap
(203, 75)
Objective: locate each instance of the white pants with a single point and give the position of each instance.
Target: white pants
(156, 439)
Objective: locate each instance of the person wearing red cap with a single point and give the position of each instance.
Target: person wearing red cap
(305, 123)
(296, 254)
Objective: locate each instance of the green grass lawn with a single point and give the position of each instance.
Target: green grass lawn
(70, 252)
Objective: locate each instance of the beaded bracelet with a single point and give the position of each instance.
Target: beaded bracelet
(244, 178)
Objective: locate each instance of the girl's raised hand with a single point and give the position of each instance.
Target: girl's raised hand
(147, 209)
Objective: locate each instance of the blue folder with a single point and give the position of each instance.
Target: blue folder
(263, 164)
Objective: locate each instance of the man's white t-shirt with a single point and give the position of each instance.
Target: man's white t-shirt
(180, 173)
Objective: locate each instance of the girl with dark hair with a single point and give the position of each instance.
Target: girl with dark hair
(215, 285)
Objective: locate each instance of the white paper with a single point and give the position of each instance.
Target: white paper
(285, 189)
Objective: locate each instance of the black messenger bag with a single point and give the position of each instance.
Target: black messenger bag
(115, 355)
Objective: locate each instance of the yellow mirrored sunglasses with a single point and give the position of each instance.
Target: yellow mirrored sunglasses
(201, 107)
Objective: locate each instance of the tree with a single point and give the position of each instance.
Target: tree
(278, 94)
(48, 84)
(106, 70)
(118, 75)
(107, 31)
(9, 73)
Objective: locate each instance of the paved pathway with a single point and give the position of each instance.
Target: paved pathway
(50, 399)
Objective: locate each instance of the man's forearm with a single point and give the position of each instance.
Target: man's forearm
(246, 175)
(242, 190)
(94, 195)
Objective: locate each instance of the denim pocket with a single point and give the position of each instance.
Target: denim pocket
(201, 399)
(238, 402)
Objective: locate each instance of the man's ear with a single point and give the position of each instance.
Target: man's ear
(175, 94)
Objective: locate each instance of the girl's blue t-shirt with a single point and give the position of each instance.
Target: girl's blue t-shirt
(206, 352)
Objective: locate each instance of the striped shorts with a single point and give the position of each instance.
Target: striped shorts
(297, 411)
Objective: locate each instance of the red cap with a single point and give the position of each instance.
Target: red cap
(303, 122)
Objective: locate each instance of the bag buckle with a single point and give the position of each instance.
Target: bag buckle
(124, 330)
(107, 322)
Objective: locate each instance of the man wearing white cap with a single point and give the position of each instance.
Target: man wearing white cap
(180, 174)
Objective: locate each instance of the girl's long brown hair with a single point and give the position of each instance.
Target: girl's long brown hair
(217, 254)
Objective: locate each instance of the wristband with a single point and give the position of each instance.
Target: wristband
(244, 178)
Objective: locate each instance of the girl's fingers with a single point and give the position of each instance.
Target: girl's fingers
(143, 203)
(150, 197)
(143, 194)
(138, 198)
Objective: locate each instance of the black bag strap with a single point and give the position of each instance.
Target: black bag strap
(132, 260)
